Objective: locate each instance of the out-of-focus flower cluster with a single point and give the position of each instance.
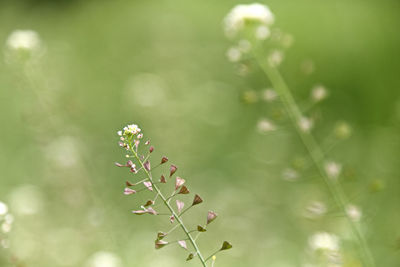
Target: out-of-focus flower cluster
(6, 221)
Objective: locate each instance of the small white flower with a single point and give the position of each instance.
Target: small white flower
(333, 169)
(240, 14)
(233, 54)
(5, 227)
(342, 130)
(264, 126)
(119, 133)
(324, 241)
(269, 95)
(23, 39)
(305, 124)
(353, 212)
(290, 174)
(9, 218)
(262, 32)
(3, 208)
(275, 58)
(244, 46)
(104, 259)
(131, 129)
(319, 93)
(316, 209)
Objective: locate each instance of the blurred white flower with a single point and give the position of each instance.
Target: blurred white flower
(23, 40)
(269, 95)
(104, 259)
(244, 46)
(3, 208)
(324, 241)
(6, 227)
(64, 151)
(316, 209)
(262, 32)
(233, 54)
(265, 125)
(146, 90)
(353, 212)
(342, 130)
(333, 169)
(275, 58)
(26, 200)
(319, 93)
(290, 174)
(9, 218)
(240, 14)
(305, 124)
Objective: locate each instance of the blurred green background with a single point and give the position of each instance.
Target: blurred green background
(163, 65)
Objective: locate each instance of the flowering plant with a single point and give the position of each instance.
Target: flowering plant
(131, 138)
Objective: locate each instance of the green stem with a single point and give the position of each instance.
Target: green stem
(316, 153)
(177, 218)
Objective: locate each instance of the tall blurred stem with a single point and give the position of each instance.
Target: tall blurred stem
(315, 152)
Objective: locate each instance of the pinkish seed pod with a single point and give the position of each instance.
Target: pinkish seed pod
(160, 243)
(151, 149)
(164, 159)
(148, 185)
(211, 216)
(147, 142)
(182, 243)
(129, 191)
(161, 235)
(172, 218)
(179, 182)
(119, 164)
(147, 165)
(179, 205)
(172, 170)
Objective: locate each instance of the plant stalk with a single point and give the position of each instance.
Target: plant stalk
(177, 218)
(316, 154)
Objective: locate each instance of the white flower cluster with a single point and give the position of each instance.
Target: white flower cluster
(130, 134)
(6, 220)
(240, 14)
(324, 241)
(23, 40)
(130, 130)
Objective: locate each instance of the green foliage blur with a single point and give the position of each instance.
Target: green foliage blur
(163, 66)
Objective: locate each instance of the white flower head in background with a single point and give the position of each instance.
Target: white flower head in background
(269, 95)
(305, 124)
(23, 40)
(319, 93)
(353, 212)
(104, 259)
(324, 241)
(315, 209)
(275, 58)
(262, 32)
(3, 208)
(240, 14)
(265, 126)
(233, 54)
(290, 174)
(333, 169)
